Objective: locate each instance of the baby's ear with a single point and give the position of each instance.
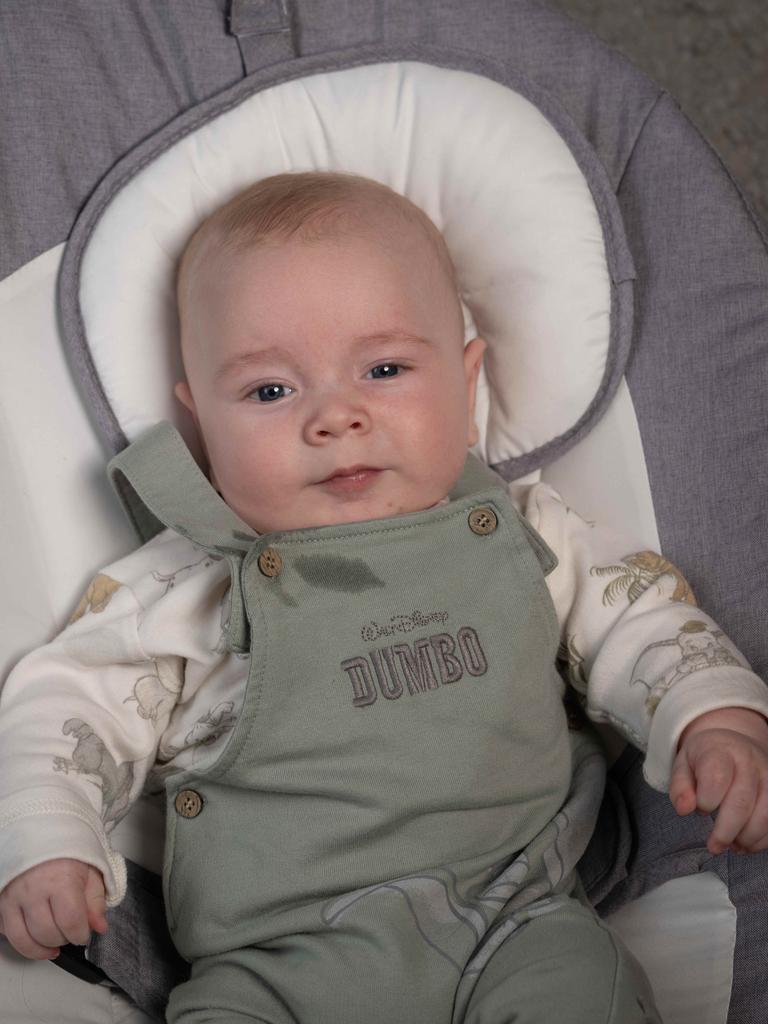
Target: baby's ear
(184, 395)
(183, 392)
(473, 359)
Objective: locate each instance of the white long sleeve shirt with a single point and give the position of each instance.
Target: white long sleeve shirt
(141, 683)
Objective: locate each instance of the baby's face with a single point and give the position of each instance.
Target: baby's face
(329, 380)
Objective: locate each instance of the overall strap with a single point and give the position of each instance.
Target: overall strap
(160, 484)
(476, 476)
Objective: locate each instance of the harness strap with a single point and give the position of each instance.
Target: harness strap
(264, 32)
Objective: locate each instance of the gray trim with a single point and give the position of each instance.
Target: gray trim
(619, 260)
(619, 347)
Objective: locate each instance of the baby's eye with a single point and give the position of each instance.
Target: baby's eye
(385, 370)
(270, 392)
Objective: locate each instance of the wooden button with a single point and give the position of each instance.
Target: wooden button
(482, 520)
(188, 803)
(270, 563)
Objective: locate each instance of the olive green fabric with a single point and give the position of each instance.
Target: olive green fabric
(401, 800)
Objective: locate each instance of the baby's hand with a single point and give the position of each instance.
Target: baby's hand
(722, 764)
(56, 902)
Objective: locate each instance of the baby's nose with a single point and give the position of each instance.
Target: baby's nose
(337, 417)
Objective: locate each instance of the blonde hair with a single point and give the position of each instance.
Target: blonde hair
(312, 206)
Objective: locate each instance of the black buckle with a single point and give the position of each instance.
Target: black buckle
(72, 959)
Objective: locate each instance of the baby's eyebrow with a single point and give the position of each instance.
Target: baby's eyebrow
(395, 336)
(273, 353)
(250, 359)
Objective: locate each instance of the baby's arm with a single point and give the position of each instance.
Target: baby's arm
(68, 771)
(58, 902)
(650, 662)
(722, 765)
(80, 722)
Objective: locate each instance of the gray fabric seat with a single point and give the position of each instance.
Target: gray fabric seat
(83, 85)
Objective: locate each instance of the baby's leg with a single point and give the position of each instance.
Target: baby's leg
(226, 990)
(312, 979)
(564, 965)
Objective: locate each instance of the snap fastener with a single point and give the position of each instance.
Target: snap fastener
(482, 520)
(270, 563)
(188, 803)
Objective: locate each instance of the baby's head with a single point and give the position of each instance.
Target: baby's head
(323, 347)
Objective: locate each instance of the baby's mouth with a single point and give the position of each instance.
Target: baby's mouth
(351, 480)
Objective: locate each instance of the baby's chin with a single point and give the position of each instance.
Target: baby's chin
(344, 513)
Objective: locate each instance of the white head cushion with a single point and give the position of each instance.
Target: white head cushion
(482, 161)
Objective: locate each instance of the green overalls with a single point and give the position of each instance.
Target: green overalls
(391, 831)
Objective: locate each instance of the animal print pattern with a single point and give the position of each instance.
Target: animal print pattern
(97, 596)
(637, 573)
(696, 646)
(92, 757)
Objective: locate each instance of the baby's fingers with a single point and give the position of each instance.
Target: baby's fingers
(42, 925)
(754, 835)
(715, 773)
(96, 901)
(734, 813)
(17, 933)
(682, 785)
(70, 912)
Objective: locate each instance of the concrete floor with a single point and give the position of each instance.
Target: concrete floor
(712, 55)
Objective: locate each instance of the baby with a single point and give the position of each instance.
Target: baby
(339, 663)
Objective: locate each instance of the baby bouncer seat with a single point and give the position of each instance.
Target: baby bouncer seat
(602, 250)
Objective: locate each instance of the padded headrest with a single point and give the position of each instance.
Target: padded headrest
(535, 255)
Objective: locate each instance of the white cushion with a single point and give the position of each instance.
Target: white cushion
(484, 163)
(684, 934)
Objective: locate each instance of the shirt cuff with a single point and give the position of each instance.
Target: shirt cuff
(706, 690)
(44, 825)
